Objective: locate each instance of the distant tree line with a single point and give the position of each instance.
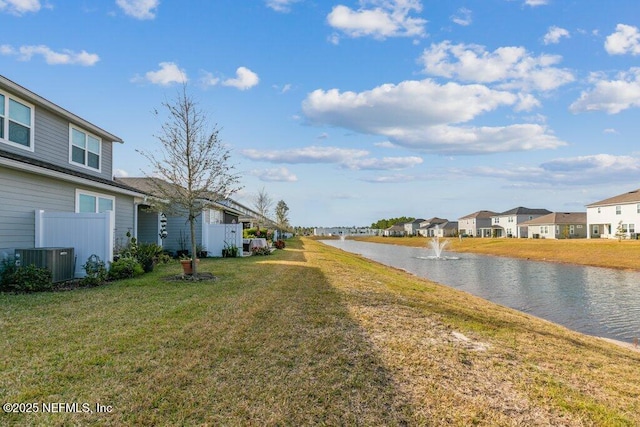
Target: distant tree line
(386, 223)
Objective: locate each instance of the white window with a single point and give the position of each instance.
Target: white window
(638, 208)
(599, 210)
(596, 229)
(572, 229)
(215, 216)
(88, 202)
(618, 210)
(84, 149)
(16, 122)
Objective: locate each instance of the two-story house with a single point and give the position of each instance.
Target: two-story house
(508, 223)
(477, 224)
(54, 161)
(558, 225)
(615, 217)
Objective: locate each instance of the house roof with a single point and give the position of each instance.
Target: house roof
(18, 161)
(41, 102)
(629, 197)
(399, 227)
(480, 215)
(524, 211)
(435, 220)
(559, 218)
(159, 188)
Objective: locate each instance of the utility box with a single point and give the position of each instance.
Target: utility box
(59, 261)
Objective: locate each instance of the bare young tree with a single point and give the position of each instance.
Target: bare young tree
(263, 204)
(194, 162)
(282, 215)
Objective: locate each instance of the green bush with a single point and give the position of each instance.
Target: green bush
(29, 278)
(125, 268)
(7, 268)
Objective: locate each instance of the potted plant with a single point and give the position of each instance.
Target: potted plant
(187, 267)
(229, 251)
(201, 251)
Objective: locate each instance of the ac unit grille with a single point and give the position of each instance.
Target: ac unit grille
(59, 261)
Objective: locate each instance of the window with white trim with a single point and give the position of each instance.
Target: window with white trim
(618, 210)
(85, 149)
(88, 202)
(16, 122)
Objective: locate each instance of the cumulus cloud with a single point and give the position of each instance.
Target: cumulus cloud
(426, 116)
(245, 79)
(554, 35)
(168, 74)
(275, 175)
(208, 79)
(282, 6)
(507, 67)
(462, 17)
(612, 96)
(534, 3)
(626, 39)
(19, 7)
(139, 9)
(51, 57)
(379, 19)
(345, 157)
(581, 170)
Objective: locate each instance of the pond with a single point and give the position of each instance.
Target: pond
(591, 300)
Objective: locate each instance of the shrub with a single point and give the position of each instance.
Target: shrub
(147, 255)
(125, 268)
(96, 271)
(279, 244)
(261, 251)
(29, 278)
(7, 268)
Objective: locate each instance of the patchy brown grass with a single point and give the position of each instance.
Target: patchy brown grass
(623, 254)
(308, 336)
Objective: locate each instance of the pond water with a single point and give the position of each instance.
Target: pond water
(596, 301)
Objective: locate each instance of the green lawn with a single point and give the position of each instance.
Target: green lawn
(309, 335)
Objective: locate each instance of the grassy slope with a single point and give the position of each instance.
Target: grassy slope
(310, 335)
(596, 252)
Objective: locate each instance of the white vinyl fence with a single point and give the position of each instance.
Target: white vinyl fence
(216, 237)
(87, 233)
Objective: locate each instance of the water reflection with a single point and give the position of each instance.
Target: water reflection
(591, 300)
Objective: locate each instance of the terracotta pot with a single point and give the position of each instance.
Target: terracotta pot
(186, 266)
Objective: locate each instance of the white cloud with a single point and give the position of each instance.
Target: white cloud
(610, 131)
(378, 19)
(534, 3)
(208, 79)
(245, 79)
(393, 179)
(283, 6)
(554, 35)
(463, 17)
(626, 39)
(385, 144)
(168, 74)
(345, 157)
(581, 170)
(120, 173)
(386, 163)
(612, 96)
(426, 116)
(509, 67)
(20, 7)
(275, 175)
(312, 154)
(139, 9)
(65, 57)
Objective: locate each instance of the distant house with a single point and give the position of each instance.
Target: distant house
(412, 227)
(477, 224)
(396, 230)
(558, 225)
(508, 223)
(446, 229)
(428, 226)
(614, 217)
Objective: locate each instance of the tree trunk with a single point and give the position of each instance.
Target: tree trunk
(194, 264)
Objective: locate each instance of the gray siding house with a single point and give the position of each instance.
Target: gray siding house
(509, 223)
(477, 224)
(53, 160)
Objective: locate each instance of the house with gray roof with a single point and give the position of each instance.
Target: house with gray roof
(509, 223)
(477, 224)
(52, 160)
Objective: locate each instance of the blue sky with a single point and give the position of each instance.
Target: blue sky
(352, 111)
